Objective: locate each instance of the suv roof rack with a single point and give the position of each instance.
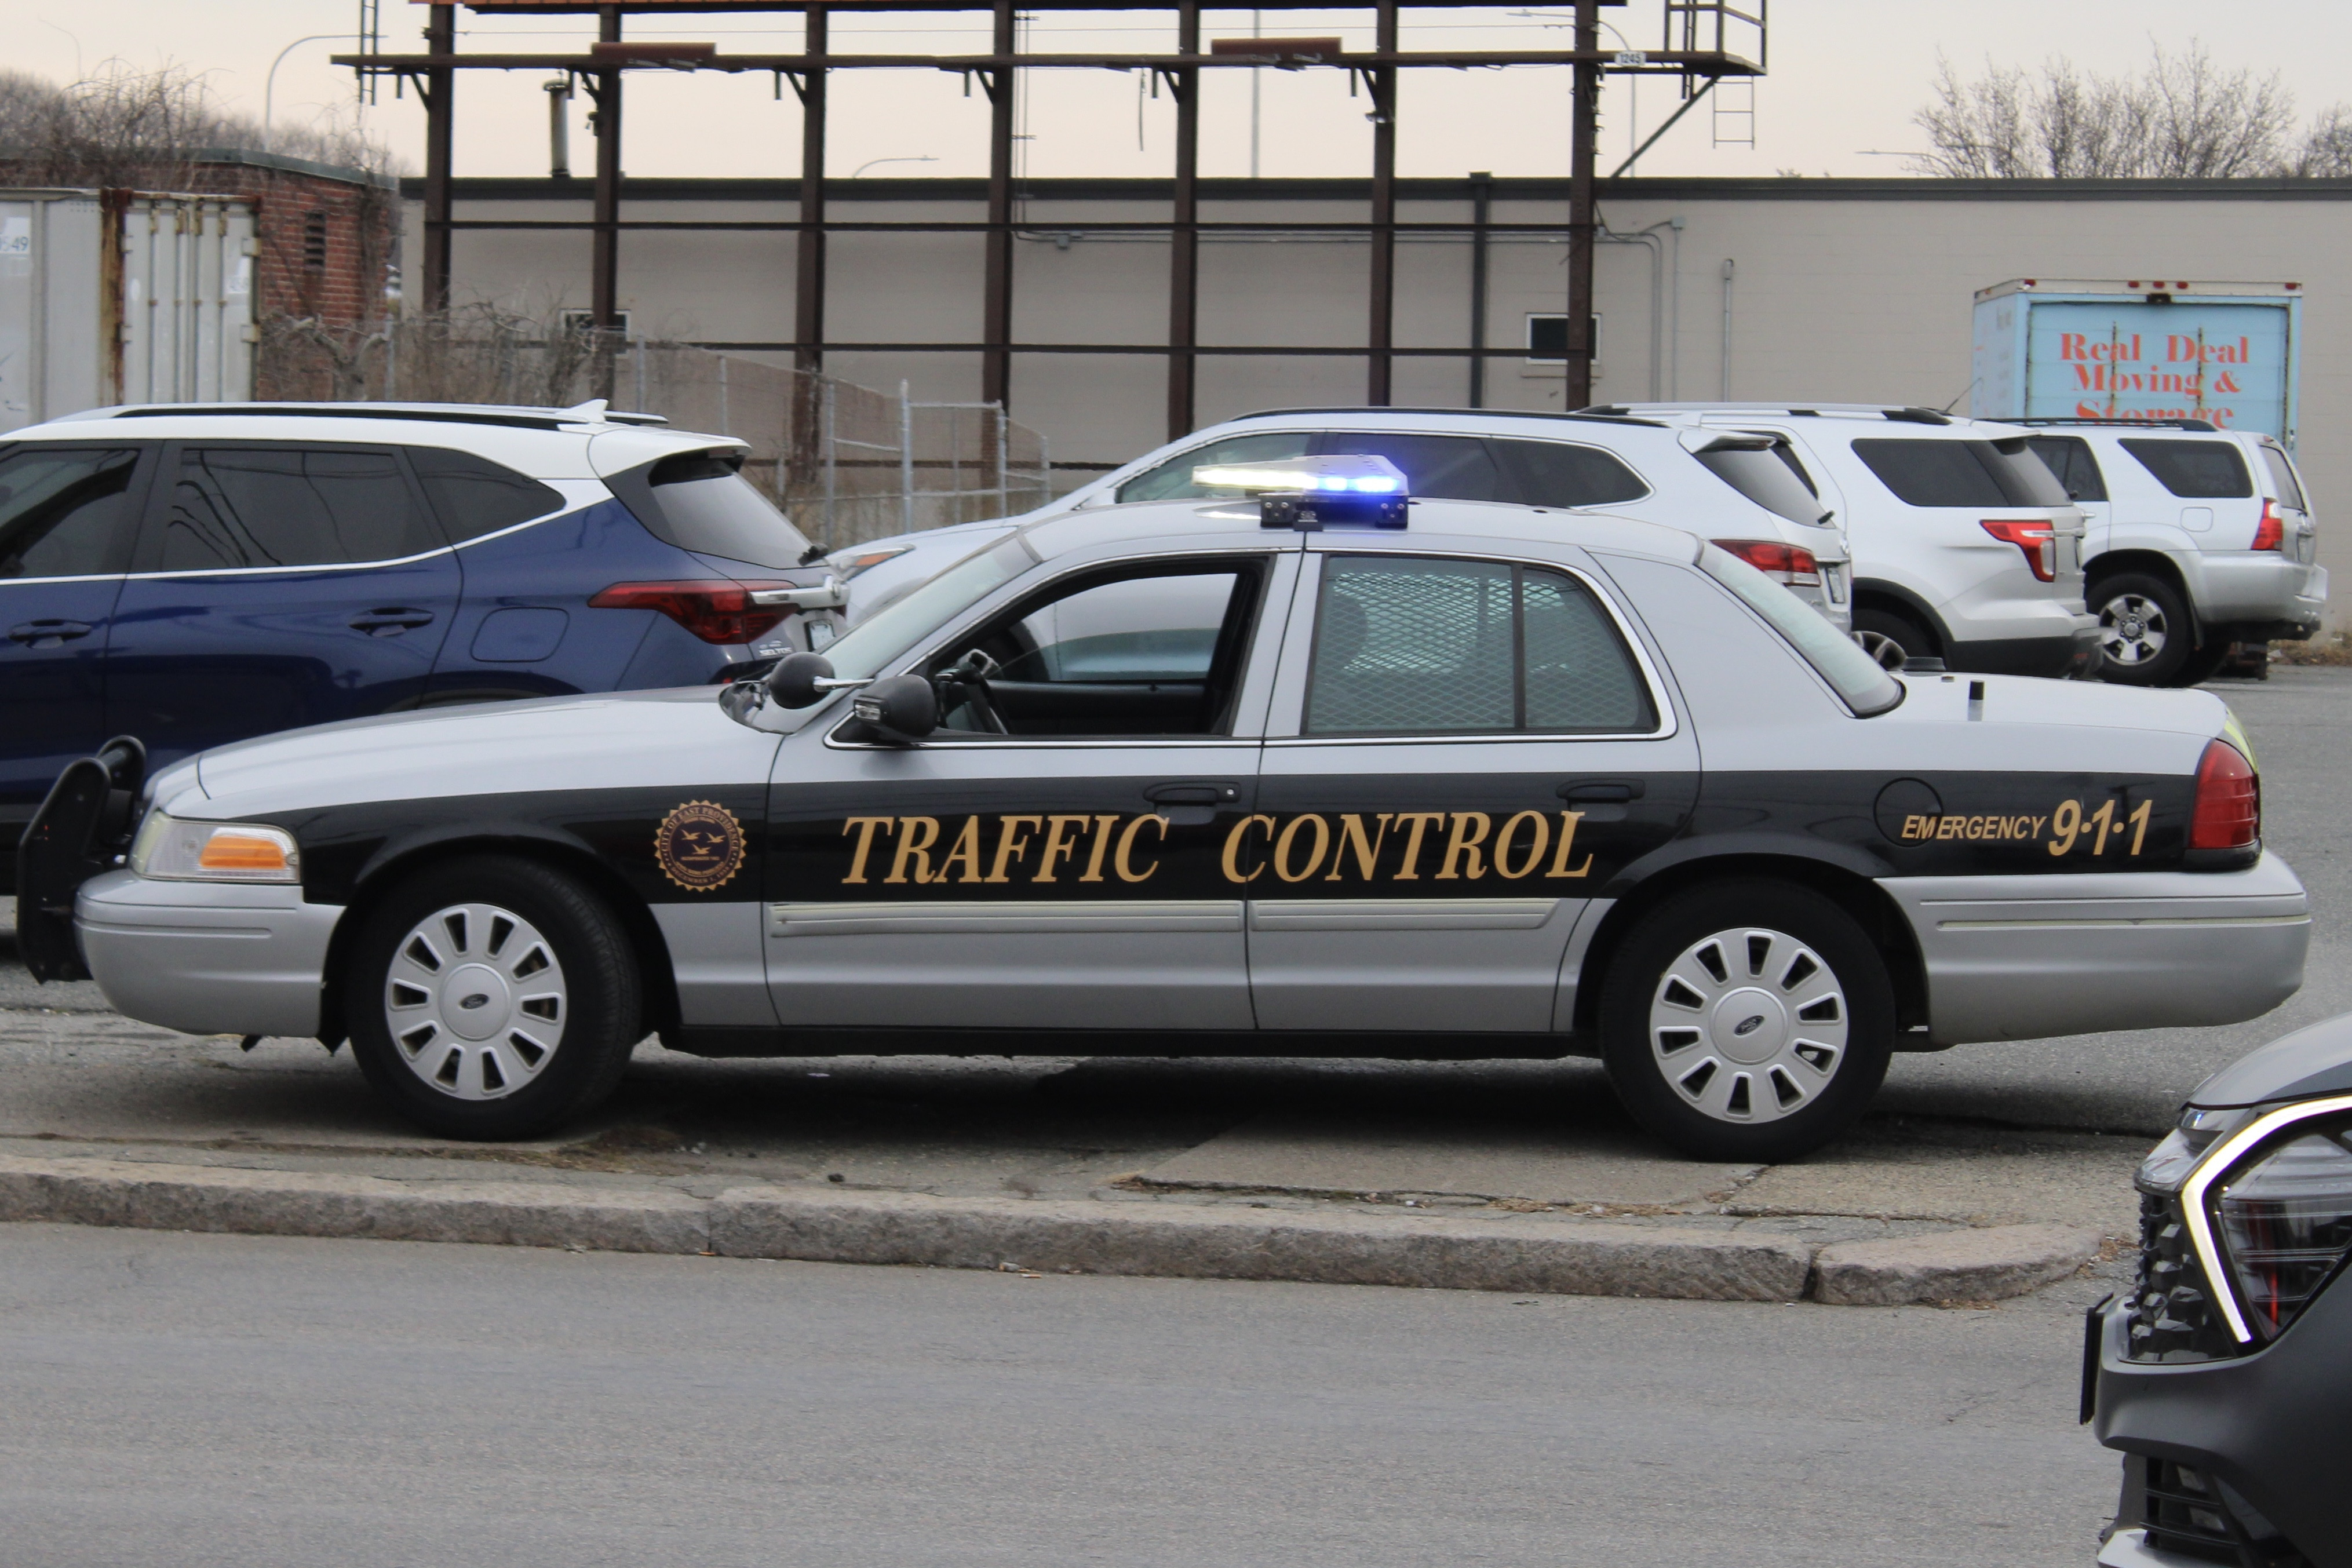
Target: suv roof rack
(449, 413)
(1903, 413)
(1587, 416)
(2117, 419)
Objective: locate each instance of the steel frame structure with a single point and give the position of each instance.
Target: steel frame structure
(601, 70)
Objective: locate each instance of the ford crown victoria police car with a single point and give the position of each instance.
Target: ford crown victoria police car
(1323, 772)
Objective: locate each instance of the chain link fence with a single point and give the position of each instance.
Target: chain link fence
(847, 463)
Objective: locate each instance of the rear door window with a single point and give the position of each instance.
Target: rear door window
(2284, 480)
(1562, 474)
(2071, 463)
(708, 507)
(475, 496)
(64, 511)
(1963, 473)
(1440, 468)
(246, 507)
(2197, 470)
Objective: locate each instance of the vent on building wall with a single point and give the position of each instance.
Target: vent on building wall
(314, 243)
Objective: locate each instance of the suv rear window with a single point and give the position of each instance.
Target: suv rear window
(708, 506)
(2068, 458)
(1761, 471)
(2199, 470)
(2290, 488)
(1961, 473)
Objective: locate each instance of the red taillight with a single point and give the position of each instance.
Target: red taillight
(2271, 533)
(2032, 535)
(717, 612)
(1790, 563)
(2229, 812)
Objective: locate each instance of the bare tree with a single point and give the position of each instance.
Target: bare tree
(122, 126)
(2185, 119)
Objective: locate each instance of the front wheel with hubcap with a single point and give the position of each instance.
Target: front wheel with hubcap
(493, 998)
(1747, 1021)
(2143, 630)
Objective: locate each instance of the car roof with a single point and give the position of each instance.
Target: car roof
(1439, 524)
(582, 442)
(1536, 422)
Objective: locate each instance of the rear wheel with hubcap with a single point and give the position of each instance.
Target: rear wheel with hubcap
(2143, 630)
(493, 998)
(1747, 1021)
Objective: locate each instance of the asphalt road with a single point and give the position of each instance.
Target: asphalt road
(248, 1401)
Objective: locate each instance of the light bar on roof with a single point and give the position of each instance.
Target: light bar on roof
(1340, 474)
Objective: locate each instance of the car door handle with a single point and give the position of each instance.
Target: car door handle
(390, 620)
(50, 634)
(1600, 791)
(1193, 791)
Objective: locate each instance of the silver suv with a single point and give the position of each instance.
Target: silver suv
(2198, 540)
(1965, 547)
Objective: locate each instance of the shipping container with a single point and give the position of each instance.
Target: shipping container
(2143, 349)
(122, 296)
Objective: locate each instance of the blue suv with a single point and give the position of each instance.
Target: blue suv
(201, 573)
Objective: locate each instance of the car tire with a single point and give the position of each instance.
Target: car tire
(1803, 1056)
(1891, 626)
(2144, 630)
(493, 998)
(2205, 663)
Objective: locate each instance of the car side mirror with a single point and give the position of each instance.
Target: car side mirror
(898, 711)
(800, 678)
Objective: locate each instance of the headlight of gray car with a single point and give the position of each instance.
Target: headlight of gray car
(169, 848)
(2269, 1208)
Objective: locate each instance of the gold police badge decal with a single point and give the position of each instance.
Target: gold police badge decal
(699, 846)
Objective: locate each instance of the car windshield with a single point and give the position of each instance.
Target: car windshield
(1836, 657)
(891, 631)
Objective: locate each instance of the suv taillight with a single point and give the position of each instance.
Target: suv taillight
(2271, 533)
(1792, 565)
(2229, 810)
(2033, 535)
(717, 612)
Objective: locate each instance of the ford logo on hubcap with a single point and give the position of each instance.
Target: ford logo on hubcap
(1746, 1028)
(480, 999)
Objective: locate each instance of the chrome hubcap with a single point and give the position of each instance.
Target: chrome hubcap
(474, 1001)
(2132, 628)
(1748, 1025)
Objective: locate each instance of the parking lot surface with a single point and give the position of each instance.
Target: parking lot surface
(2036, 1131)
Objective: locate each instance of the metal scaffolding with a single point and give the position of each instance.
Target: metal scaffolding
(601, 72)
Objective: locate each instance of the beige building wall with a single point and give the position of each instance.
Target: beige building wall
(1839, 290)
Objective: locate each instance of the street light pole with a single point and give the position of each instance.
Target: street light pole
(269, 83)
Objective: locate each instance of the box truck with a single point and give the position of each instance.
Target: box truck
(2140, 349)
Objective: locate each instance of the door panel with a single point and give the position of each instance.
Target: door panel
(277, 587)
(1431, 882)
(66, 524)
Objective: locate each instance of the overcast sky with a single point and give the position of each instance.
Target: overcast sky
(1846, 76)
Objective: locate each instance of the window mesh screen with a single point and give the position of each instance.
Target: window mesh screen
(1578, 675)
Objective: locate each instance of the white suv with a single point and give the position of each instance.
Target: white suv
(1964, 547)
(1741, 489)
(2199, 539)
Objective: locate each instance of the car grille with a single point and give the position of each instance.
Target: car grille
(2189, 1513)
(2171, 1318)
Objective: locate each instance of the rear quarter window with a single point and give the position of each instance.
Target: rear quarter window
(2196, 470)
(475, 496)
(1965, 473)
(1557, 473)
(2069, 460)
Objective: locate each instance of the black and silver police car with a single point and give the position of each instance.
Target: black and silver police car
(2225, 1374)
(1313, 770)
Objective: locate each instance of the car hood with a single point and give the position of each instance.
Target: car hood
(625, 740)
(2305, 1064)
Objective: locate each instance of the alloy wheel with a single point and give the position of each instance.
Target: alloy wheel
(2132, 629)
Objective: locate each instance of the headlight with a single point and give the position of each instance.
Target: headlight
(2269, 1211)
(170, 850)
(2286, 1223)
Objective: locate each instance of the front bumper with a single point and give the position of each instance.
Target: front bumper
(2265, 1435)
(206, 958)
(2026, 957)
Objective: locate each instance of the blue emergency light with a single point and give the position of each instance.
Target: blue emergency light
(1308, 493)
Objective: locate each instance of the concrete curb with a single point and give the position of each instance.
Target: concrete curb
(1952, 1266)
(1534, 1254)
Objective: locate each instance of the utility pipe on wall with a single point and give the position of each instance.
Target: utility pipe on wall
(559, 129)
(1727, 268)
